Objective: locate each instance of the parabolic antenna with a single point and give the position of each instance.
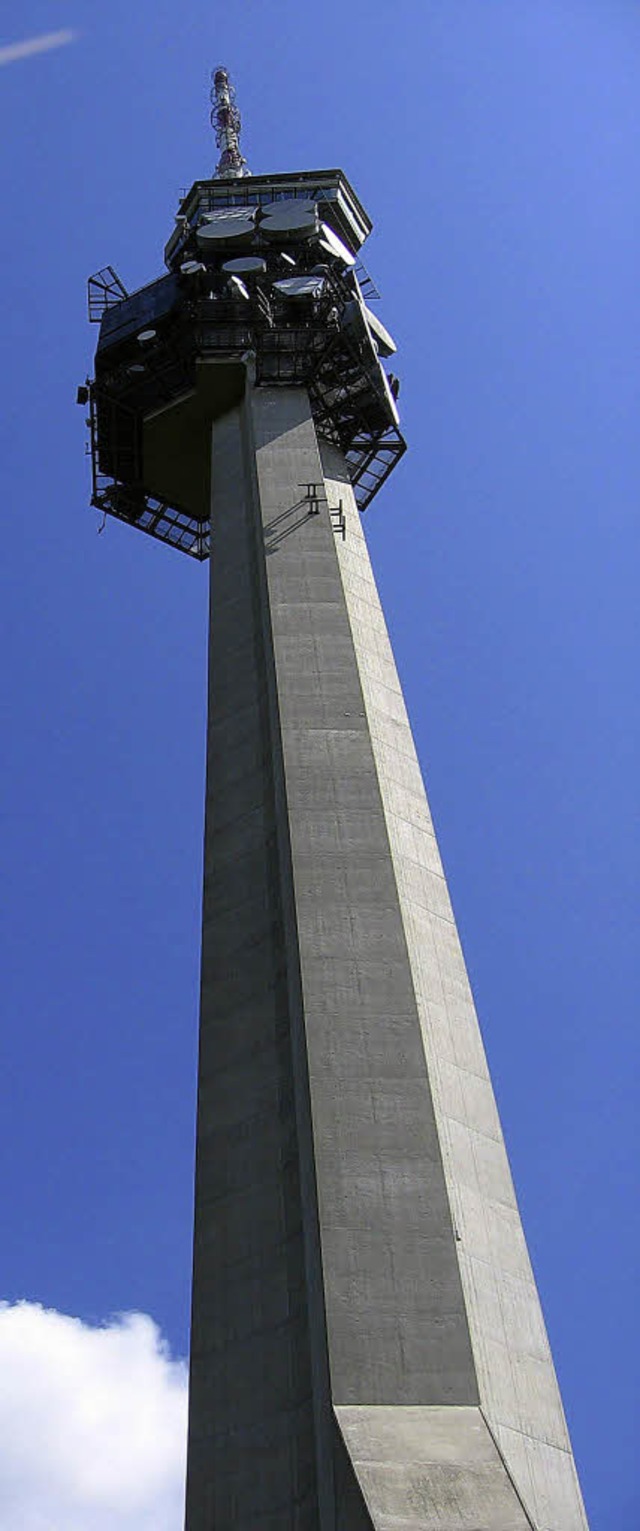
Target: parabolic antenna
(330, 242)
(237, 287)
(294, 215)
(386, 389)
(363, 322)
(229, 226)
(245, 265)
(300, 286)
(386, 343)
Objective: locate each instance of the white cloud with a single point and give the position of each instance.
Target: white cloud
(92, 1424)
(42, 44)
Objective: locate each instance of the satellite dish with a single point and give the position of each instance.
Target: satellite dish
(229, 226)
(294, 215)
(238, 289)
(360, 319)
(146, 336)
(136, 366)
(385, 342)
(288, 259)
(383, 386)
(189, 267)
(300, 286)
(390, 399)
(334, 246)
(245, 265)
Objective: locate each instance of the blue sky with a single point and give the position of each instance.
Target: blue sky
(496, 145)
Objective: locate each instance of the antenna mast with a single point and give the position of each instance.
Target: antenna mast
(226, 123)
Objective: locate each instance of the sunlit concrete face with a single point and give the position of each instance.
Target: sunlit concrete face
(368, 1349)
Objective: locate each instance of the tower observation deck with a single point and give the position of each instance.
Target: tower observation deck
(367, 1347)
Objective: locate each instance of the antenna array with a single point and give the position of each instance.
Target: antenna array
(226, 123)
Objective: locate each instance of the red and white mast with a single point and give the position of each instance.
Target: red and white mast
(226, 123)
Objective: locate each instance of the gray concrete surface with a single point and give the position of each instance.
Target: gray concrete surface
(368, 1352)
(517, 1383)
(431, 1467)
(252, 1450)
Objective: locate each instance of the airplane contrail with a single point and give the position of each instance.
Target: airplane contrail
(31, 45)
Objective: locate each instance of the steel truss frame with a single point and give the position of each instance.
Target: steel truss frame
(300, 343)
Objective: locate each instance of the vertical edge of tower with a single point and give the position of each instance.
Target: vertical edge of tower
(518, 1387)
(254, 1454)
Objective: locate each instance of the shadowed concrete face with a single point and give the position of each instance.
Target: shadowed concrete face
(176, 450)
(252, 1454)
(360, 1361)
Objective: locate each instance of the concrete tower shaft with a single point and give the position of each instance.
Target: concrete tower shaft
(367, 1345)
(368, 1351)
